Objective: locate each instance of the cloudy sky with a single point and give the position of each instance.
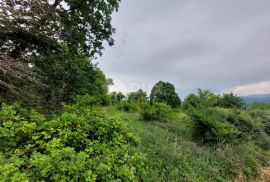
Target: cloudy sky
(222, 45)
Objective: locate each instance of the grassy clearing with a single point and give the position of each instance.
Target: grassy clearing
(172, 155)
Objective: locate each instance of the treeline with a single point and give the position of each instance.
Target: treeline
(164, 92)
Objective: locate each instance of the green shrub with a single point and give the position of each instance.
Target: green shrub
(263, 117)
(157, 112)
(210, 125)
(81, 144)
(127, 107)
(251, 125)
(204, 98)
(231, 101)
(86, 100)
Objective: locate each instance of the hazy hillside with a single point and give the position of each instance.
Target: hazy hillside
(256, 98)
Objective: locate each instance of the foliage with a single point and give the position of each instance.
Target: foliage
(81, 144)
(204, 98)
(157, 112)
(137, 97)
(260, 105)
(127, 107)
(39, 25)
(210, 125)
(116, 97)
(69, 75)
(191, 101)
(207, 97)
(164, 92)
(263, 117)
(46, 47)
(171, 155)
(231, 101)
(250, 126)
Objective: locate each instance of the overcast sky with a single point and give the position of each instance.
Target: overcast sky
(222, 45)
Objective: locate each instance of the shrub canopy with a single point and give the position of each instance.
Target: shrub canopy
(82, 144)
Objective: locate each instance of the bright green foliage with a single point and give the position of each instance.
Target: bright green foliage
(157, 112)
(137, 97)
(204, 98)
(86, 100)
(210, 125)
(191, 101)
(164, 92)
(127, 107)
(207, 97)
(231, 101)
(81, 144)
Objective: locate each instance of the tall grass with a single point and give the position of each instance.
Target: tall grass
(172, 155)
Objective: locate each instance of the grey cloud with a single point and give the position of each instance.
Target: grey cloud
(191, 43)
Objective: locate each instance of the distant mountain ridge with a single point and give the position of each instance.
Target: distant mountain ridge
(249, 99)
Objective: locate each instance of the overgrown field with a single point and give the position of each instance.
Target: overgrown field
(172, 153)
(133, 142)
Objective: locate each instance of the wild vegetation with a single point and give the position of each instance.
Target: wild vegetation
(58, 122)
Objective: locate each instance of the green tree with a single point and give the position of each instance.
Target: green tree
(191, 101)
(231, 101)
(207, 97)
(34, 36)
(137, 97)
(164, 92)
(116, 97)
(204, 98)
(69, 75)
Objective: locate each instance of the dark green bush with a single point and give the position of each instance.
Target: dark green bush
(127, 107)
(231, 101)
(157, 112)
(210, 125)
(82, 144)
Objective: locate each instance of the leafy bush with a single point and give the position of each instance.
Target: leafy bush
(127, 107)
(191, 101)
(231, 101)
(82, 144)
(137, 97)
(204, 98)
(251, 124)
(157, 112)
(263, 117)
(210, 125)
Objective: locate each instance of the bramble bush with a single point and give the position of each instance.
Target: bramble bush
(157, 112)
(81, 144)
(210, 125)
(228, 125)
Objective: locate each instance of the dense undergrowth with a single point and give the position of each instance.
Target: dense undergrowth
(81, 144)
(154, 142)
(203, 144)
